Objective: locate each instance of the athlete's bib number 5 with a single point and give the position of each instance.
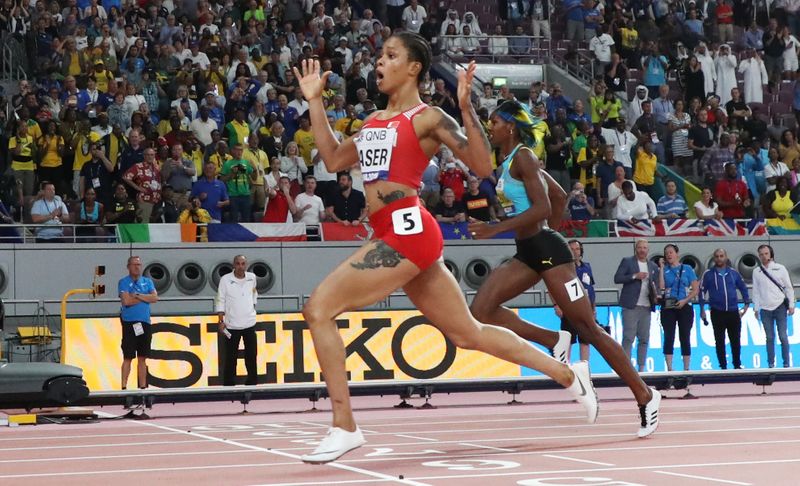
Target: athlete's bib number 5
(407, 221)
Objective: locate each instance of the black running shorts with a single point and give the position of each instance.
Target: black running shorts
(545, 250)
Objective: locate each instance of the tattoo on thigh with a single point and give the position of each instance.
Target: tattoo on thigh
(391, 197)
(382, 255)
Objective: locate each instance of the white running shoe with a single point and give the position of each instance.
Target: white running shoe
(649, 415)
(561, 349)
(583, 390)
(335, 445)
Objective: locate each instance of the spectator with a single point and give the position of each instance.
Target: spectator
(655, 66)
(720, 284)
(559, 156)
(584, 273)
(540, 18)
(774, 47)
(623, 141)
(646, 166)
(478, 203)
(701, 137)
(637, 298)
(21, 148)
(51, 149)
(238, 174)
(449, 210)
(731, 192)
(202, 126)
(519, 45)
(753, 37)
(778, 202)
(280, 206)
(724, 14)
(672, 205)
(310, 208)
(97, 174)
(679, 286)
(646, 128)
(725, 64)
(556, 101)
(773, 297)
(694, 80)
(91, 216)
(715, 159)
(145, 179)
(679, 124)
(774, 169)
(592, 18)
(737, 109)
(498, 43)
(452, 175)
(610, 110)
(212, 192)
(706, 208)
(236, 309)
(588, 158)
(634, 205)
(122, 209)
(635, 109)
(574, 9)
(606, 174)
(581, 206)
(755, 76)
(601, 44)
(136, 293)
(178, 171)
(413, 16)
(789, 149)
(50, 212)
(346, 206)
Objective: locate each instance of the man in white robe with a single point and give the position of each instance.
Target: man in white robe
(707, 65)
(726, 73)
(755, 77)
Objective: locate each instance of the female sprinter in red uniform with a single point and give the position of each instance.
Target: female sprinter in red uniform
(543, 254)
(394, 147)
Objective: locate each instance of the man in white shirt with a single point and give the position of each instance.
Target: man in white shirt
(622, 140)
(634, 206)
(413, 16)
(202, 126)
(236, 309)
(773, 297)
(310, 207)
(299, 103)
(600, 45)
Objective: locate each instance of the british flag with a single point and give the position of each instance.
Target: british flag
(725, 227)
(668, 227)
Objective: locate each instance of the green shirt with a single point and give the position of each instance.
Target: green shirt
(239, 184)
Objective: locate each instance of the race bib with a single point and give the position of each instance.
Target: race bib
(375, 147)
(407, 221)
(574, 289)
(138, 329)
(501, 184)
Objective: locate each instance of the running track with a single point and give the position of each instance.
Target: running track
(730, 435)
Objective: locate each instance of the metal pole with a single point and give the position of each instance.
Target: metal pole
(64, 319)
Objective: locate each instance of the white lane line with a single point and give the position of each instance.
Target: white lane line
(88, 436)
(704, 478)
(335, 465)
(320, 483)
(491, 448)
(473, 474)
(122, 456)
(416, 438)
(88, 446)
(596, 463)
(131, 471)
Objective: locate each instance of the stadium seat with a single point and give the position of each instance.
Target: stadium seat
(778, 108)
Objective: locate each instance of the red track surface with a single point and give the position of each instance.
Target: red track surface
(731, 435)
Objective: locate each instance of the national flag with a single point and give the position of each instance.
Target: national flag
(679, 227)
(756, 227)
(636, 230)
(257, 232)
(584, 229)
(156, 233)
(454, 231)
(725, 227)
(788, 226)
(340, 232)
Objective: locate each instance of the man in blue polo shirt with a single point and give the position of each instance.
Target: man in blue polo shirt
(672, 205)
(212, 192)
(136, 294)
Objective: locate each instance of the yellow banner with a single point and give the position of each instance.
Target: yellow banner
(391, 345)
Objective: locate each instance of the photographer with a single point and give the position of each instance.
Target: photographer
(678, 285)
(581, 206)
(238, 174)
(196, 214)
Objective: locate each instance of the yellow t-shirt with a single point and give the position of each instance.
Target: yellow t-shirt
(628, 37)
(218, 160)
(645, 173)
(216, 79)
(586, 177)
(783, 205)
(82, 153)
(103, 78)
(540, 130)
(24, 160)
(260, 162)
(113, 147)
(74, 68)
(596, 103)
(50, 157)
(196, 157)
(305, 142)
(237, 133)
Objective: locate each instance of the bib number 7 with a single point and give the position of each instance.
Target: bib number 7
(407, 221)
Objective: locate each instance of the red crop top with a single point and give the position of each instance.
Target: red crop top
(389, 150)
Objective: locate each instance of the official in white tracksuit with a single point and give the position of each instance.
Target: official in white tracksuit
(236, 308)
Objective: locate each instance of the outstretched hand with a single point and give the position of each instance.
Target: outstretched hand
(480, 230)
(465, 77)
(310, 81)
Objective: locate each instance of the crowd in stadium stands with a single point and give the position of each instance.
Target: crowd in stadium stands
(188, 110)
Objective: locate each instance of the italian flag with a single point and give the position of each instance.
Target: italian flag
(156, 233)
